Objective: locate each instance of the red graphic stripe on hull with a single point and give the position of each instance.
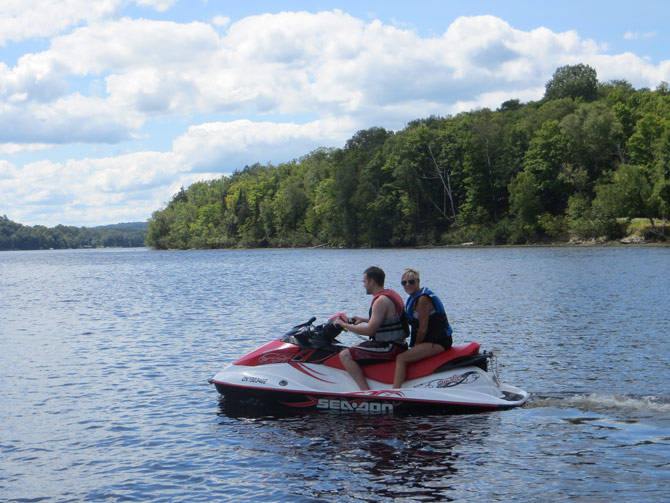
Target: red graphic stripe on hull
(311, 373)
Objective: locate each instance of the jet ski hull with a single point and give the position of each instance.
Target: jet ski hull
(359, 403)
(319, 387)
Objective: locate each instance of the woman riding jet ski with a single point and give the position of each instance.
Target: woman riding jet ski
(302, 370)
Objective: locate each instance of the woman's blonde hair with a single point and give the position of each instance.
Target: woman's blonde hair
(411, 274)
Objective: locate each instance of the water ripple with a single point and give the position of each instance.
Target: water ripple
(105, 355)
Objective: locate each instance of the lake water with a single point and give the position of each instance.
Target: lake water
(105, 356)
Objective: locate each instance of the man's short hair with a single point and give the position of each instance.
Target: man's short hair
(376, 274)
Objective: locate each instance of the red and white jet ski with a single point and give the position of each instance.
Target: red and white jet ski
(302, 370)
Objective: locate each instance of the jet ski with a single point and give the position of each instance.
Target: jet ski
(302, 371)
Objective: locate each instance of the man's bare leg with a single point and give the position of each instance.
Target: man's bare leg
(354, 369)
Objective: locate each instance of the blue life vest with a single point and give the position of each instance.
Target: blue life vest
(438, 323)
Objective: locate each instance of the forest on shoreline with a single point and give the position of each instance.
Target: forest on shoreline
(589, 162)
(580, 164)
(15, 236)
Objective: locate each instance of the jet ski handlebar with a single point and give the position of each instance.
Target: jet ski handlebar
(308, 335)
(307, 323)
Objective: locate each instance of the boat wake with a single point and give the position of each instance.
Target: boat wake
(600, 403)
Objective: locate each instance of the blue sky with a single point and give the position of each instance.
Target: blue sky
(107, 108)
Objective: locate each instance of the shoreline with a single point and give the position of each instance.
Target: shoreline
(554, 244)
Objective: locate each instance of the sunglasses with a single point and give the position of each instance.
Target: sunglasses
(407, 282)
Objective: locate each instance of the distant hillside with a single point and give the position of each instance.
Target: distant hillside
(126, 226)
(15, 236)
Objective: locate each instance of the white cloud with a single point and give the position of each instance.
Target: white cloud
(130, 187)
(221, 21)
(288, 64)
(226, 146)
(273, 87)
(634, 35)
(159, 5)
(16, 148)
(66, 120)
(7, 170)
(23, 19)
(93, 191)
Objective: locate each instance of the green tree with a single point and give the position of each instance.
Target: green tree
(409, 170)
(545, 160)
(573, 81)
(626, 195)
(660, 175)
(589, 221)
(593, 140)
(319, 220)
(486, 170)
(351, 198)
(642, 143)
(525, 202)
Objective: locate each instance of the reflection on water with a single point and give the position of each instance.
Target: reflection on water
(558, 447)
(365, 457)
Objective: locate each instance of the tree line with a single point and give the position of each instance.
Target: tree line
(579, 163)
(15, 236)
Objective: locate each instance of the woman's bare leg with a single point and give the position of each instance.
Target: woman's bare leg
(418, 352)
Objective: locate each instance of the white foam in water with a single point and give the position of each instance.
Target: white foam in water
(594, 401)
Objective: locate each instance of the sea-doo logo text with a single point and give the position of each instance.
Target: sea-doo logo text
(273, 358)
(354, 405)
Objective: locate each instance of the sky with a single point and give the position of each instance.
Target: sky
(108, 107)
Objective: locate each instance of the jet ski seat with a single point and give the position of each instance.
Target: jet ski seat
(383, 372)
